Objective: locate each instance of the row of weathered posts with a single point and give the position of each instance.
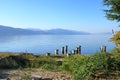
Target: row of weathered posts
(64, 50)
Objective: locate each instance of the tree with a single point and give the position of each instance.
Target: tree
(113, 13)
(113, 10)
(116, 39)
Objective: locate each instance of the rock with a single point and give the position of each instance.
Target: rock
(36, 77)
(36, 74)
(8, 79)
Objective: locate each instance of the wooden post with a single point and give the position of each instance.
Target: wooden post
(68, 54)
(62, 50)
(79, 50)
(56, 52)
(66, 49)
(73, 52)
(47, 54)
(103, 49)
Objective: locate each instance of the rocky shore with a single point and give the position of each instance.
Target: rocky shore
(25, 74)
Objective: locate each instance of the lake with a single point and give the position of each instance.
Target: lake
(39, 44)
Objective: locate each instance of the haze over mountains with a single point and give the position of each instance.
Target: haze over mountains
(5, 30)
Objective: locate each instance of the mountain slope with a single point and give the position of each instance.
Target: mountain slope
(4, 30)
(67, 32)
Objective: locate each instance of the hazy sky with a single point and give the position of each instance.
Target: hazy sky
(81, 15)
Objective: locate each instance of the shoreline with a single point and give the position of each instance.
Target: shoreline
(12, 66)
(17, 74)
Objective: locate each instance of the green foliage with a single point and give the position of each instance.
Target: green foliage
(84, 67)
(4, 54)
(116, 38)
(80, 66)
(113, 11)
(116, 50)
(114, 62)
(8, 63)
(88, 66)
(28, 55)
(68, 63)
(49, 67)
(20, 68)
(30, 61)
(26, 77)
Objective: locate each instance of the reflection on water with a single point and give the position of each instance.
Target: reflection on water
(48, 43)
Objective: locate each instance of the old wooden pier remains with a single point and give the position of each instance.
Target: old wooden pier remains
(77, 50)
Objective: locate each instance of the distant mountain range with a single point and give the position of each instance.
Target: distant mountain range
(66, 32)
(103, 33)
(6, 30)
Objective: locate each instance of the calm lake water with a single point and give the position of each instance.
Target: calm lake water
(39, 44)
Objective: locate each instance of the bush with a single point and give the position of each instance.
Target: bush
(116, 50)
(85, 67)
(8, 62)
(26, 77)
(68, 63)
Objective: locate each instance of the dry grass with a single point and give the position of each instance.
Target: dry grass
(4, 54)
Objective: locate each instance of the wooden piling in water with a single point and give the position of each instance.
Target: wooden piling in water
(62, 50)
(66, 49)
(79, 50)
(76, 50)
(103, 49)
(68, 55)
(56, 52)
(47, 54)
(72, 52)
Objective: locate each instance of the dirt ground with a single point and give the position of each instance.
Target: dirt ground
(25, 74)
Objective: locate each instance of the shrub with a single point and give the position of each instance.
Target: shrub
(116, 50)
(26, 77)
(83, 68)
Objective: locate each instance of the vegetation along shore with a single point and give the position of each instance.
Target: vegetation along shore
(99, 66)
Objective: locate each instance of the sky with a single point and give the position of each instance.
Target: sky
(79, 15)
